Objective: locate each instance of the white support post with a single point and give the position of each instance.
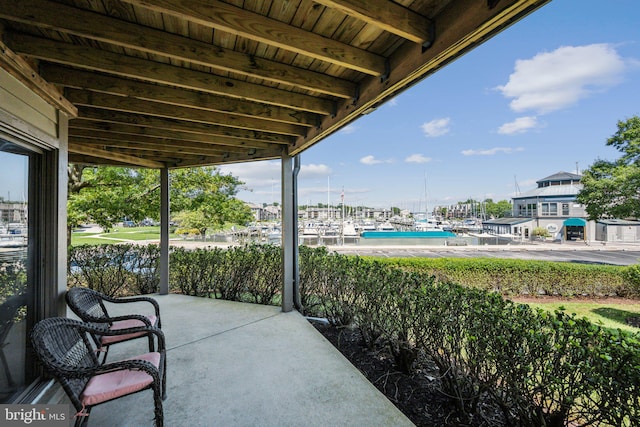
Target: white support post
(164, 231)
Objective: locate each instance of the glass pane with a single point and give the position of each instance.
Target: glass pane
(14, 288)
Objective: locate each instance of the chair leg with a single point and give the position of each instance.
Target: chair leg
(151, 345)
(83, 421)
(164, 378)
(104, 350)
(157, 402)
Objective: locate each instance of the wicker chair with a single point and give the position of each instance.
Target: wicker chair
(65, 349)
(89, 305)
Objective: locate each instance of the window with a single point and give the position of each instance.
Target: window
(565, 209)
(549, 209)
(17, 292)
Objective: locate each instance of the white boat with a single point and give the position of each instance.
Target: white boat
(428, 224)
(311, 229)
(349, 230)
(13, 240)
(385, 226)
(367, 226)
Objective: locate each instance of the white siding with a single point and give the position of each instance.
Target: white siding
(20, 102)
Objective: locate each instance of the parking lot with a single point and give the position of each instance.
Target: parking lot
(580, 254)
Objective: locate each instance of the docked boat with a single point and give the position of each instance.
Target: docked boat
(385, 226)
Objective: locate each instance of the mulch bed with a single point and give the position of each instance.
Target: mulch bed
(416, 395)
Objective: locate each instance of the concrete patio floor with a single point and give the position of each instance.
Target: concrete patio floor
(235, 364)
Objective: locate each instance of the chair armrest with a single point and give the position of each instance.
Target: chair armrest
(148, 330)
(150, 300)
(140, 317)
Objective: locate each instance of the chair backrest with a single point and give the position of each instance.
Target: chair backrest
(87, 304)
(64, 349)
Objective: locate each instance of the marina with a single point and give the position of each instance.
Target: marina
(352, 232)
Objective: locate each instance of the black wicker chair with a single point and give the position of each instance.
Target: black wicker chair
(65, 348)
(89, 305)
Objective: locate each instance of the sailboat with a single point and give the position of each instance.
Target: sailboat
(423, 222)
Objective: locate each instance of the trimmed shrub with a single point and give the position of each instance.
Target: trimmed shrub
(517, 277)
(534, 367)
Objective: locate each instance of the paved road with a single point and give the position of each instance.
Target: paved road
(614, 256)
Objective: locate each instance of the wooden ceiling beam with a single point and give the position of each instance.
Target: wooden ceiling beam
(83, 159)
(21, 70)
(167, 159)
(89, 58)
(240, 22)
(79, 79)
(98, 141)
(94, 26)
(124, 138)
(118, 157)
(138, 106)
(387, 15)
(190, 159)
(231, 158)
(86, 127)
(241, 135)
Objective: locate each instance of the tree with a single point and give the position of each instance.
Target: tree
(107, 195)
(499, 209)
(612, 188)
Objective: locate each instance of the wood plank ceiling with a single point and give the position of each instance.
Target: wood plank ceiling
(176, 83)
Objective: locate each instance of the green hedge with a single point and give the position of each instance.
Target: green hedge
(534, 367)
(518, 277)
(250, 273)
(115, 270)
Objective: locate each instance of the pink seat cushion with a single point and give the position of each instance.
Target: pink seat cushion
(125, 324)
(114, 384)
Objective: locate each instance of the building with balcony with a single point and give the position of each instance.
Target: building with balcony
(551, 205)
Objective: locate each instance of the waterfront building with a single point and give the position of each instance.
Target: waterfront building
(618, 230)
(12, 212)
(553, 206)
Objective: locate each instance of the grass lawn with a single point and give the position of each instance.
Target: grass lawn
(611, 315)
(117, 235)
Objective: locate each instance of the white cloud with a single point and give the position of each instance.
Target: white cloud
(349, 129)
(311, 171)
(370, 160)
(519, 125)
(436, 127)
(417, 158)
(554, 80)
(254, 173)
(259, 176)
(491, 151)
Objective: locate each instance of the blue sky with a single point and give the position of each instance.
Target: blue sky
(541, 97)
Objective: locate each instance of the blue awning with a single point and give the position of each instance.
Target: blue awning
(575, 222)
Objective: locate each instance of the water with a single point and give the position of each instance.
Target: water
(434, 234)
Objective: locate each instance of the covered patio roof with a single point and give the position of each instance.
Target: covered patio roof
(169, 83)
